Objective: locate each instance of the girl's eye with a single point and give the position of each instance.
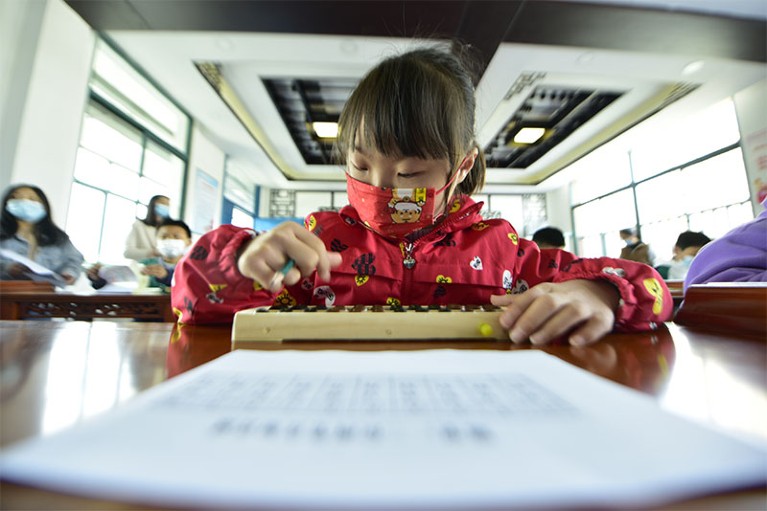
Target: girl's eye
(358, 167)
(408, 175)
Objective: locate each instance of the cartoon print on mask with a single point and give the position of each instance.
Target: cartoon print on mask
(406, 204)
(507, 281)
(476, 263)
(327, 293)
(656, 291)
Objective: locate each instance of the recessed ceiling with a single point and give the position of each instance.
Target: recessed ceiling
(637, 66)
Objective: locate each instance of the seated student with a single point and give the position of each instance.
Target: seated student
(407, 135)
(635, 249)
(687, 246)
(549, 237)
(173, 240)
(26, 228)
(738, 256)
(140, 243)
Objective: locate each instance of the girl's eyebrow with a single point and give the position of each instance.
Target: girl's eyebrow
(358, 149)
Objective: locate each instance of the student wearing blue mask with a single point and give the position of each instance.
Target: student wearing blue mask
(26, 229)
(142, 240)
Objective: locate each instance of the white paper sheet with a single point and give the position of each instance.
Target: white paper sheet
(38, 272)
(428, 429)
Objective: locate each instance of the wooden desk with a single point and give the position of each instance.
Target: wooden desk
(49, 304)
(58, 373)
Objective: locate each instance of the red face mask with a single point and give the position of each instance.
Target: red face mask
(394, 212)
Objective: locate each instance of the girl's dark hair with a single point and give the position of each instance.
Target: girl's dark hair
(419, 104)
(45, 231)
(151, 215)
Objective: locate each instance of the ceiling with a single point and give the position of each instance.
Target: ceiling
(626, 62)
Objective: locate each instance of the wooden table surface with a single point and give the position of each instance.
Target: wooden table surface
(58, 373)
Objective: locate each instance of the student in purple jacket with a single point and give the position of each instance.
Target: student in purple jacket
(738, 256)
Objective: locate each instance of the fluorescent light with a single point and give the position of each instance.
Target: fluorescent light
(325, 129)
(529, 135)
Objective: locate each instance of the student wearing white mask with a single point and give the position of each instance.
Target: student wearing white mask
(140, 243)
(27, 229)
(173, 239)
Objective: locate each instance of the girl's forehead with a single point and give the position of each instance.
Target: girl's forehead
(25, 193)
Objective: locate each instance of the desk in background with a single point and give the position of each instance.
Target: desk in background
(58, 373)
(17, 303)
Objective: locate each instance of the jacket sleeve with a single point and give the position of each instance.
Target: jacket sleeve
(738, 256)
(71, 260)
(138, 246)
(644, 297)
(208, 287)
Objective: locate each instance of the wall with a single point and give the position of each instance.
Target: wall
(751, 108)
(20, 24)
(558, 212)
(44, 129)
(202, 209)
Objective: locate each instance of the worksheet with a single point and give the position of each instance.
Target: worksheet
(36, 271)
(444, 429)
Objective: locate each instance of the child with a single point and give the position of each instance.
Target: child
(549, 237)
(687, 246)
(407, 136)
(173, 239)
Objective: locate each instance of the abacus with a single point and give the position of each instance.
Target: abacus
(367, 322)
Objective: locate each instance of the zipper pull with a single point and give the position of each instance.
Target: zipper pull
(409, 260)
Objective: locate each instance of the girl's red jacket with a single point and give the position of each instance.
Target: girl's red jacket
(463, 261)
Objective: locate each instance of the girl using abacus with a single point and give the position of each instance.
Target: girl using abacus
(412, 234)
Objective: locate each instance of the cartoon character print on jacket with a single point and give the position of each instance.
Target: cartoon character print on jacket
(464, 261)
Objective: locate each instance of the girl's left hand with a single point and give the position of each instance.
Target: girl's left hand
(584, 308)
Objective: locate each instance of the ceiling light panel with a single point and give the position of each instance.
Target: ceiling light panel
(556, 112)
(304, 102)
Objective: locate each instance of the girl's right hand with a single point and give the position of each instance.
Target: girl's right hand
(263, 258)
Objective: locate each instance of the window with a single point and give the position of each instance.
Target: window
(696, 182)
(129, 151)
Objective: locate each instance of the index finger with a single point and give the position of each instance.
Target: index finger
(318, 247)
